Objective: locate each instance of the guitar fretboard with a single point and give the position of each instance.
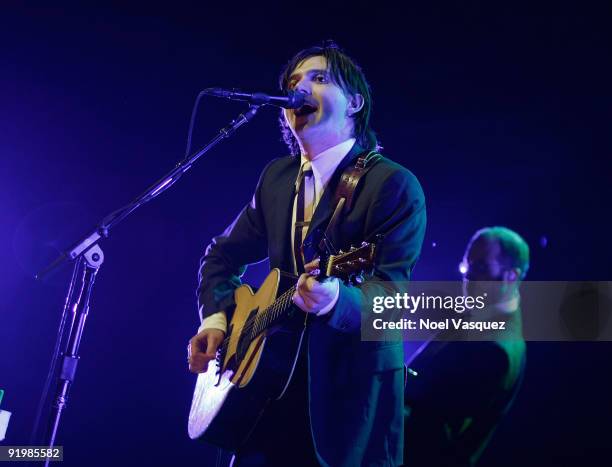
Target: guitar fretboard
(266, 318)
(271, 315)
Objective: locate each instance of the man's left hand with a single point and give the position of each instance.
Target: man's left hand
(313, 296)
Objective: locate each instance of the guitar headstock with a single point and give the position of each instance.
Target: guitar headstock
(352, 264)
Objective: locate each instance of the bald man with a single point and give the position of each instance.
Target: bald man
(457, 391)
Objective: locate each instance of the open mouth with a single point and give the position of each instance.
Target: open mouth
(306, 109)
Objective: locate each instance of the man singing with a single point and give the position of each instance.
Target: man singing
(344, 404)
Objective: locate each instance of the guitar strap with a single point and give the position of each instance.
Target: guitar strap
(343, 197)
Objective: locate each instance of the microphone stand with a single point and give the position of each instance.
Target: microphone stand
(88, 257)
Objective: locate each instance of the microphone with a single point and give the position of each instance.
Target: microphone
(292, 100)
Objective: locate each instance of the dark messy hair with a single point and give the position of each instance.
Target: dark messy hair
(349, 77)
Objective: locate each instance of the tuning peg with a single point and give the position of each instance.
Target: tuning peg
(341, 252)
(364, 243)
(356, 279)
(362, 260)
(352, 248)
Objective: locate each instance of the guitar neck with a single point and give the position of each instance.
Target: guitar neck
(274, 314)
(344, 265)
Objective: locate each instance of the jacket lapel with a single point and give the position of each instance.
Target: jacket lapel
(285, 193)
(326, 206)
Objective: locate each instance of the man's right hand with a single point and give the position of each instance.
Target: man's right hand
(202, 349)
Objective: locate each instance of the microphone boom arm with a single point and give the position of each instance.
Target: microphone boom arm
(161, 185)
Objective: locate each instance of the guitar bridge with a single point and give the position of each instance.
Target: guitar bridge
(219, 359)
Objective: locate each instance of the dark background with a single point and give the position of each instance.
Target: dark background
(501, 110)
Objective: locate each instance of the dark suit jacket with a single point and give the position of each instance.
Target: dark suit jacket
(460, 392)
(354, 399)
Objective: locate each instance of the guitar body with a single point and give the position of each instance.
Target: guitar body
(259, 353)
(228, 400)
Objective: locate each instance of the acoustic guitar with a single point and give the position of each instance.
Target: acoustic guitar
(256, 360)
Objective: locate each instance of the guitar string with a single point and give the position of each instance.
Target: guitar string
(268, 315)
(264, 319)
(274, 310)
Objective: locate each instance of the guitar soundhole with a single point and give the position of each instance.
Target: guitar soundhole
(246, 337)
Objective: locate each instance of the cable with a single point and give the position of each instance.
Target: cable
(194, 112)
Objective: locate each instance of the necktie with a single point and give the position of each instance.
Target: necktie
(303, 213)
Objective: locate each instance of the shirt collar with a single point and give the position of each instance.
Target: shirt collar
(325, 163)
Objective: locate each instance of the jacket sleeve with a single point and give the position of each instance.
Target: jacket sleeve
(398, 213)
(243, 242)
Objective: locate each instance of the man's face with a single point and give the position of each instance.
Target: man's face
(325, 116)
(482, 261)
(484, 272)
